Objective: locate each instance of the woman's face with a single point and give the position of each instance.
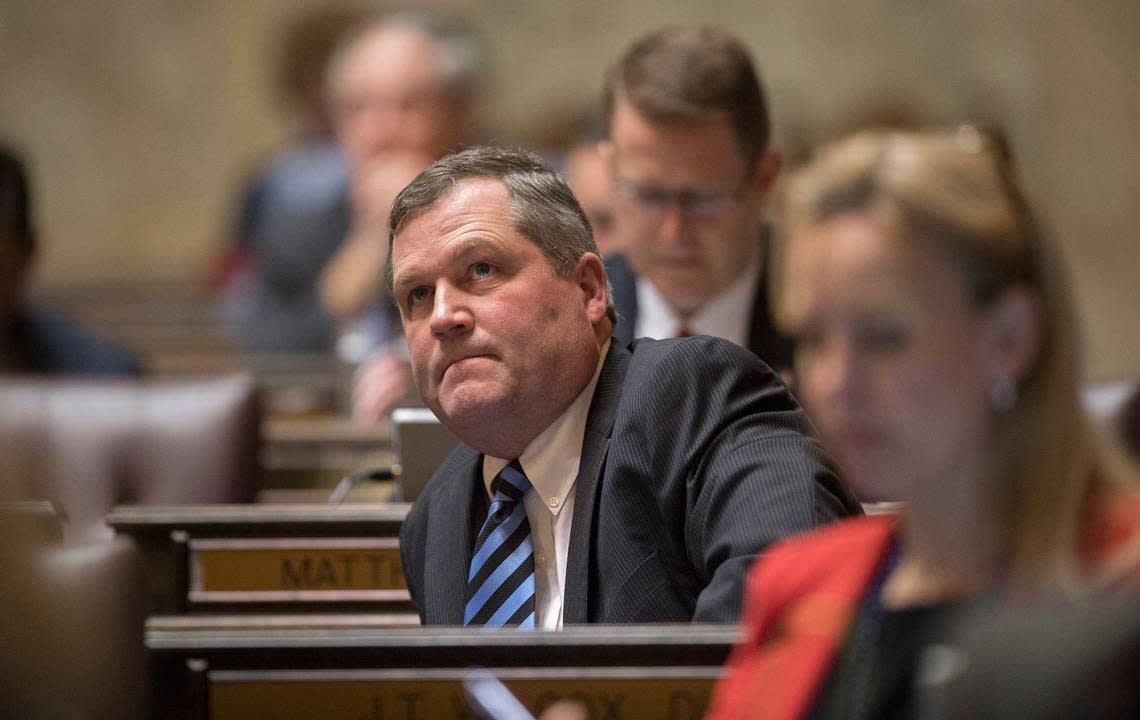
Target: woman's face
(890, 358)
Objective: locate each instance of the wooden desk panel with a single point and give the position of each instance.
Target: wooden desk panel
(255, 557)
(645, 693)
(296, 569)
(366, 668)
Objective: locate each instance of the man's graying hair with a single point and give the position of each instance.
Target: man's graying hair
(463, 56)
(543, 209)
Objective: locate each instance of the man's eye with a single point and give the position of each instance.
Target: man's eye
(808, 338)
(482, 270)
(418, 295)
(885, 339)
(603, 222)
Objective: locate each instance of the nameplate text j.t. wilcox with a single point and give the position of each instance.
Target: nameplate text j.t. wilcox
(296, 569)
(644, 693)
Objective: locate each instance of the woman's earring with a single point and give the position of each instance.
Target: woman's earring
(1003, 394)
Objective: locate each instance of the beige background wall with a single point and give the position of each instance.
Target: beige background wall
(142, 116)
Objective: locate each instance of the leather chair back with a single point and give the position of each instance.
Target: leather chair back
(90, 444)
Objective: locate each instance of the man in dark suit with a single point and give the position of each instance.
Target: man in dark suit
(597, 482)
(689, 130)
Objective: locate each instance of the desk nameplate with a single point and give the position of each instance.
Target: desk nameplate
(673, 693)
(259, 570)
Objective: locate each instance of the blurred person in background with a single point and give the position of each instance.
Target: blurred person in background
(936, 352)
(31, 339)
(693, 167)
(589, 173)
(404, 91)
(294, 213)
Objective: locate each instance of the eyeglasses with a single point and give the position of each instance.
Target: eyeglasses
(653, 200)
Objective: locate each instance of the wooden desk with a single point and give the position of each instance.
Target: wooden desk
(252, 557)
(32, 520)
(324, 443)
(304, 457)
(364, 669)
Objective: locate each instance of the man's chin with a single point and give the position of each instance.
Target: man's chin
(465, 406)
(685, 303)
(684, 291)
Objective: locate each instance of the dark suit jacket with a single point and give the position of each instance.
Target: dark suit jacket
(695, 458)
(300, 219)
(768, 343)
(36, 341)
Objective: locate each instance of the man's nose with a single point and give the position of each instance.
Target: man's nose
(450, 313)
(837, 374)
(672, 227)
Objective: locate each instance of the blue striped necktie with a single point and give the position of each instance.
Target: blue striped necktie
(500, 583)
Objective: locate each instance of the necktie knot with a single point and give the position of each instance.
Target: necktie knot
(510, 484)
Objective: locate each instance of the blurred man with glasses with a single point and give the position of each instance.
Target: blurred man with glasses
(689, 131)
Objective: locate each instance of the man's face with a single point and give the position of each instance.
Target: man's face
(689, 203)
(387, 95)
(499, 344)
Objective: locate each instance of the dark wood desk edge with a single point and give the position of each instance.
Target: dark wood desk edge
(190, 633)
(125, 518)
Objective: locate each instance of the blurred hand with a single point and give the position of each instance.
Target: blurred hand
(377, 183)
(352, 278)
(381, 381)
(565, 710)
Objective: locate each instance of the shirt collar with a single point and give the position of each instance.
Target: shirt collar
(551, 460)
(726, 314)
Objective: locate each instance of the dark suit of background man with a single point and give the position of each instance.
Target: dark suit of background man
(689, 131)
(659, 469)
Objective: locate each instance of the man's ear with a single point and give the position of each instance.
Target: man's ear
(764, 174)
(1012, 334)
(606, 150)
(590, 277)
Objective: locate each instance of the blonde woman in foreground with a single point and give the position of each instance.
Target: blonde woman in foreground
(937, 355)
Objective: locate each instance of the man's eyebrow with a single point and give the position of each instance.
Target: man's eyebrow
(475, 244)
(401, 279)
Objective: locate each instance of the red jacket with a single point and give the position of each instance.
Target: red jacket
(802, 597)
(798, 606)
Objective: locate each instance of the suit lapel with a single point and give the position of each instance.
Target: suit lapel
(587, 486)
(446, 570)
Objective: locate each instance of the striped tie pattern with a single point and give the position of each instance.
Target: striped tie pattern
(500, 583)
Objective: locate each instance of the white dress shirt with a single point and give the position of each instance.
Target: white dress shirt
(550, 462)
(728, 314)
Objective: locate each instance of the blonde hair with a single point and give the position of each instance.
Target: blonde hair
(955, 192)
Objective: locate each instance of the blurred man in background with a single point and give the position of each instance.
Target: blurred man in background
(294, 213)
(693, 168)
(403, 90)
(590, 176)
(32, 340)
